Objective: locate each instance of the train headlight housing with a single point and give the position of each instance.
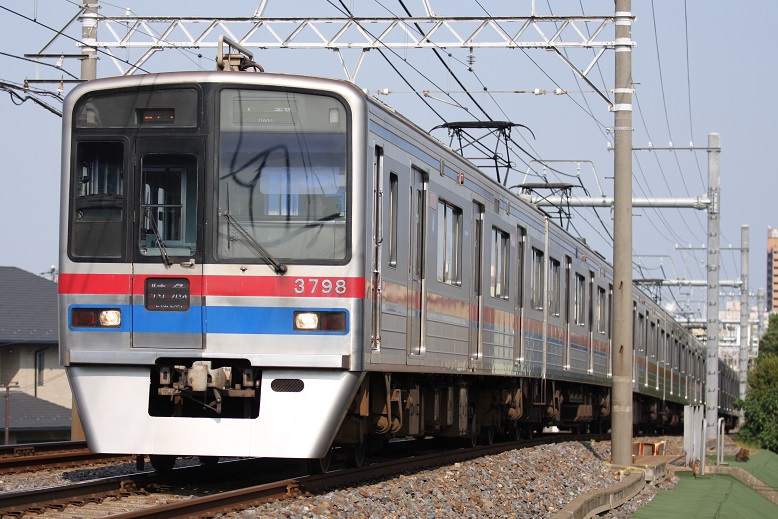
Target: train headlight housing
(320, 321)
(111, 318)
(306, 321)
(95, 318)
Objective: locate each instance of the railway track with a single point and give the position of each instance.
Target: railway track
(199, 491)
(40, 456)
(29, 449)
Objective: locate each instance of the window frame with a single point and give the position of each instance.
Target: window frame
(579, 299)
(499, 285)
(554, 287)
(449, 243)
(537, 279)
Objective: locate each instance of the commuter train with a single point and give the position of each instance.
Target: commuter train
(269, 265)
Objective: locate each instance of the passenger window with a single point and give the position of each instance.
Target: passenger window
(554, 289)
(393, 211)
(500, 260)
(98, 205)
(536, 280)
(601, 309)
(520, 266)
(449, 244)
(579, 301)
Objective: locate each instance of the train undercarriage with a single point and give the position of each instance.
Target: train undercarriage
(392, 406)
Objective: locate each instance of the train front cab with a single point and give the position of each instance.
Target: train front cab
(208, 285)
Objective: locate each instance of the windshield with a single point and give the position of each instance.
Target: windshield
(282, 176)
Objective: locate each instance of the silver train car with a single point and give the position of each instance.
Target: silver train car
(266, 265)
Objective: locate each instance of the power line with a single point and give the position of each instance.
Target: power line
(22, 58)
(22, 93)
(60, 33)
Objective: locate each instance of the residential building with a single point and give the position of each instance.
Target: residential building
(35, 392)
(772, 270)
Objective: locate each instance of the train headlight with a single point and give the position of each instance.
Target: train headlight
(320, 321)
(112, 318)
(96, 318)
(306, 321)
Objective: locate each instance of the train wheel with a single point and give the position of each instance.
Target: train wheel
(355, 454)
(320, 465)
(209, 461)
(488, 433)
(530, 431)
(163, 463)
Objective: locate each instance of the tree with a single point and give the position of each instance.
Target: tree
(768, 344)
(761, 403)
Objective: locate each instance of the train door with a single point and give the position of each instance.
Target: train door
(167, 270)
(476, 284)
(417, 300)
(378, 239)
(568, 299)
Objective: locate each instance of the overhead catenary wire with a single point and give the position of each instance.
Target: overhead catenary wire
(38, 62)
(667, 118)
(524, 150)
(346, 11)
(636, 98)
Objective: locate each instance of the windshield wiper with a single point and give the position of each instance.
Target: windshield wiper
(160, 244)
(278, 267)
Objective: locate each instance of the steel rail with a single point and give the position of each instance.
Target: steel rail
(54, 460)
(27, 449)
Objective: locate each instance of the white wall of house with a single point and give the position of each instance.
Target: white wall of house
(19, 368)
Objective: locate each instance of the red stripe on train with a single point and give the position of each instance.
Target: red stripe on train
(235, 286)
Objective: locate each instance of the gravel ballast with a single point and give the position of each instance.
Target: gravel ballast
(528, 483)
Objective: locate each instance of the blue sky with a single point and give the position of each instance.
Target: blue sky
(695, 73)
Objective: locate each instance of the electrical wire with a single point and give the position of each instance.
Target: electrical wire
(421, 33)
(575, 76)
(345, 10)
(155, 35)
(38, 63)
(666, 112)
(60, 33)
(28, 94)
(689, 83)
(663, 174)
(443, 62)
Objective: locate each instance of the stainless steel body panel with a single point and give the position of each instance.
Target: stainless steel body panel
(289, 425)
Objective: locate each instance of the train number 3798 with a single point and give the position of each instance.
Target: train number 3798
(315, 286)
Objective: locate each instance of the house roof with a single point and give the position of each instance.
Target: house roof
(28, 308)
(28, 412)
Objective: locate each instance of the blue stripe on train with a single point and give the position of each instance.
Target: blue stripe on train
(211, 319)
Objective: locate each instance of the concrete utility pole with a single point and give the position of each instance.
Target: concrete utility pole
(88, 72)
(712, 312)
(89, 38)
(744, 347)
(621, 421)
